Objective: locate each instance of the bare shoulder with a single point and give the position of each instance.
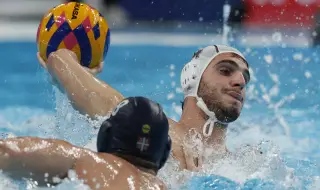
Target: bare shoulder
(171, 121)
(89, 159)
(98, 166)
(173, 128)
(92, 167)
(149, 181)
(131, 175)
(175, 131)
(176, 137)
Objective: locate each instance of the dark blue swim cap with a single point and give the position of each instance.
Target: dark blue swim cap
(138, 127)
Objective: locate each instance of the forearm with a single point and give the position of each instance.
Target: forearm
(87, 94)
(35, 158)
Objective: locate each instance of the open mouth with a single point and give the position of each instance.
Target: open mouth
(236, 96)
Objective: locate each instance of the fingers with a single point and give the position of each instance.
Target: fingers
(200, 161)
(73, 55)
(41, 61)
(96, 70)
(101, 65)
(193, 162)
(64, 53)
(190, 165)
(60, 52)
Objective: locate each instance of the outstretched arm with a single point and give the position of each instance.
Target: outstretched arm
(87, 94)
(38, 159)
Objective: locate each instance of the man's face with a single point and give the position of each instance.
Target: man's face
(222, 86)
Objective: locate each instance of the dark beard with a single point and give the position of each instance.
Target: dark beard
(211, 98)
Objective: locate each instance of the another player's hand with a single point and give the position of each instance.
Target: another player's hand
(193, 162)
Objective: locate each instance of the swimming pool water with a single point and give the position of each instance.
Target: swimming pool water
(30, 106)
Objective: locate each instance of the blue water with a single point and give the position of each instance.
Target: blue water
(30, 106)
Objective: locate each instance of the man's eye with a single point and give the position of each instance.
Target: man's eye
(225, 71)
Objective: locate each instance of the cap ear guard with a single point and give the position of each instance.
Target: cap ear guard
(104, 137)
(189, 78)
(192, 71)
(166, 153)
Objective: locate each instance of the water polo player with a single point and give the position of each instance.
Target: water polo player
(214, 93)
(133, 144)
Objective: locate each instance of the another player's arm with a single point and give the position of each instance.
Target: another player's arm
(87, 94)
(37, 159)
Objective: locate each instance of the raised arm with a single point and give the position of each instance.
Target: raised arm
(87, 94)
(37, 159)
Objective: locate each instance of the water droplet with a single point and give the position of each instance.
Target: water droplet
(170, 96)
(268, 58)
(307, 74)
(298, 56)
(277, 37)
(179, 90)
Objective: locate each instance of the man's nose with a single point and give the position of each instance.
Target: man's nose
(238, 80)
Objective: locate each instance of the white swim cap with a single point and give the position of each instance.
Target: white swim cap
(192, 72)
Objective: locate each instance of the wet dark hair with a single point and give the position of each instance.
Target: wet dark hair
(182, 104)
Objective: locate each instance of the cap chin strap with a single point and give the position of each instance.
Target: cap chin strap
(209, 125)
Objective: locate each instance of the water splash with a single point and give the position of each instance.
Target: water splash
(226, 28)
(249, 167)
(266, 95)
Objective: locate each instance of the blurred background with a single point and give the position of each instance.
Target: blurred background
(293, 16)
